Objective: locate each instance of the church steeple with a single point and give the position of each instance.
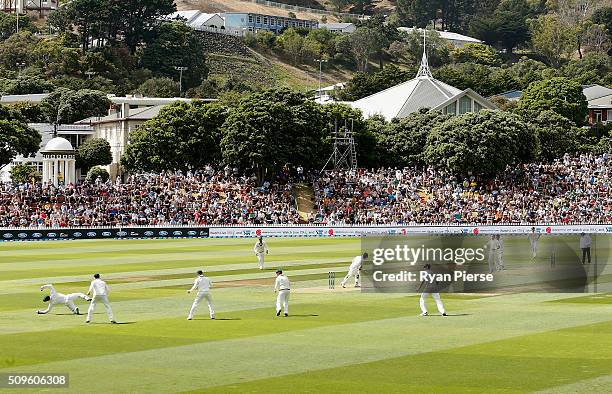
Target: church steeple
(424, 71)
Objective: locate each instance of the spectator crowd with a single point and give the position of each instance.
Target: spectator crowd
(569, 190)
(574, 189)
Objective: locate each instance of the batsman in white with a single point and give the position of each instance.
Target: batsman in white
(430, 288)
(354, 270)
(283, 286)
(203, 284)
(100, 291)
(55, 298)
(261, 250)
(493, 246)
(533, 242)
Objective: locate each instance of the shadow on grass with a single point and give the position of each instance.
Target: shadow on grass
(312, 315)
(451, 315)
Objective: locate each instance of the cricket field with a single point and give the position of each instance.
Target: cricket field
(338, 340)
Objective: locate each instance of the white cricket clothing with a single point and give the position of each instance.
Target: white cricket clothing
(260, 247)
(202, 283)
(59, 298)
(436, 297)
(353, 271)
(283, 285)
(102, 299)
(585, 241)
(260, 250)
(282, 300)
(533, 240)
(98, 287)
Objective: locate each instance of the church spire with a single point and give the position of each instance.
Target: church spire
(424, 67)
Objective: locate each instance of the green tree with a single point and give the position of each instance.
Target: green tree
(139, 17)
(94, 152)
(363, 44)
(158, 87)
(476, 53)
(402, 142)
(183, 136)
(174, 44)
(482, 143)
(438, 52)
(561, 95)
(26, 84)
(552, 39)
(18, 51)
(16, 138)
(30, 111)
(22, 173)
(68, 106)
(364, 84)
(292, 43)
(269, 129)
(558, 135)
(8, 24)
(97, 172)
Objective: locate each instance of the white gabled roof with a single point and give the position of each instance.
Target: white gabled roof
(407, 97)
(447, 35)
(189, 15)
(592, 92)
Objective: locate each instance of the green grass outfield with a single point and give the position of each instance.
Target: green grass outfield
(334, 341)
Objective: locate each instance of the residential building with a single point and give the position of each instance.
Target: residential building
(341, 28)
(599, 100)
(253, 22)
(455, 39)
(198, 20)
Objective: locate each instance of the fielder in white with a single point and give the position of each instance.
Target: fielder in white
(261, 250)
(100, 291)
(203, 284)
(355, 270)
(430, 288)
(55, 298)
(283, 286)
(493, 246)
(500, 253)
(533, 241)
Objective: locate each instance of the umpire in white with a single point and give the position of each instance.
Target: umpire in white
(203, 284)
(100, 292)
(283, 286)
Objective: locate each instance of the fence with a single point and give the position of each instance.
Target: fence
(34, 234)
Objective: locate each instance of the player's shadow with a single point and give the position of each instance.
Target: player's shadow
(452, 314)
(227, 318)
(311, 315)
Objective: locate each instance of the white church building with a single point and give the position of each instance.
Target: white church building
(423, 91)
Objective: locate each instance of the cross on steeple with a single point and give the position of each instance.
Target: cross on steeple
(424, 71)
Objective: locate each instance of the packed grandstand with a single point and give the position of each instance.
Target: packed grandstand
(574, 189)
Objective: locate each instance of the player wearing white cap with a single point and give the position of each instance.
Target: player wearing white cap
(203, 284)
(55, 298)
(354, 270)
(283, 286)
(100, 291)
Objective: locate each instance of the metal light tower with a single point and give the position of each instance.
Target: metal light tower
(344, 154)
(180, 69)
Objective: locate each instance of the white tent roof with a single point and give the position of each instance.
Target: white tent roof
(405, 98)
(447, 35)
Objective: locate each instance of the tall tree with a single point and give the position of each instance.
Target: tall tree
(68, 106)
(173, 44)
(182, 137)
(94, 152)
(552, 38)
(482, 143)
(269, 129)
(16, 138)
(561, 95)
